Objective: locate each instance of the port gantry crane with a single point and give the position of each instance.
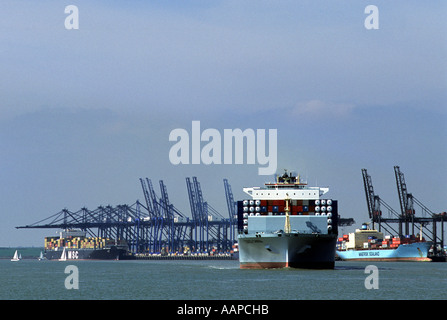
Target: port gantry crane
(196, 205)
(407, 201)
(408, 212)
(374, 203)
(158, 226)
(168, 226)
(155, 220)
(210, 228)
(232, 208)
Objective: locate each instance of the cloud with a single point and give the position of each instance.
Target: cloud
(322, 108)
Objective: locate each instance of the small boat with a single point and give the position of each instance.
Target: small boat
(16, 257)
(63, 256)
(41, 257)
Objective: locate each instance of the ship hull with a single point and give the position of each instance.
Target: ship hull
(406, 252)
(282, 250)
(112, 253)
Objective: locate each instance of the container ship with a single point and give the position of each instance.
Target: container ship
(287, 224)
(370, 245)
(75, 245)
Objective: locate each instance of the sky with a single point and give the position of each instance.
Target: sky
(85, 113)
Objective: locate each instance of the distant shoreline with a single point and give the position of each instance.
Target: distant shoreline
(26, 252)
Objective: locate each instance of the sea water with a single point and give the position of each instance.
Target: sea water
(218, 280)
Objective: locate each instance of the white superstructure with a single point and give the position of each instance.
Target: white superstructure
(286, 187)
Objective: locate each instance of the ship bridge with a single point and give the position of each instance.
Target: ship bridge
(282, 192)
(286, 186)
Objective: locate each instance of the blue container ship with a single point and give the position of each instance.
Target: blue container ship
(371, 245)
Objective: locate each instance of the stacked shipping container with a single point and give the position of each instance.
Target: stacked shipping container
(277, 207)
(388, 242)
(317, 207)
(52, 243)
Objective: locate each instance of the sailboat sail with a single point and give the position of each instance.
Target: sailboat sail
(63, 256)
(16, 257)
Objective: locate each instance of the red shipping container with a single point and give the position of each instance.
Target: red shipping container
(263, 203)
(278, 203)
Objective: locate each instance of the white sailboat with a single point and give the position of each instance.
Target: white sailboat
(41, 257)
(63, 256)
(16, 257)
